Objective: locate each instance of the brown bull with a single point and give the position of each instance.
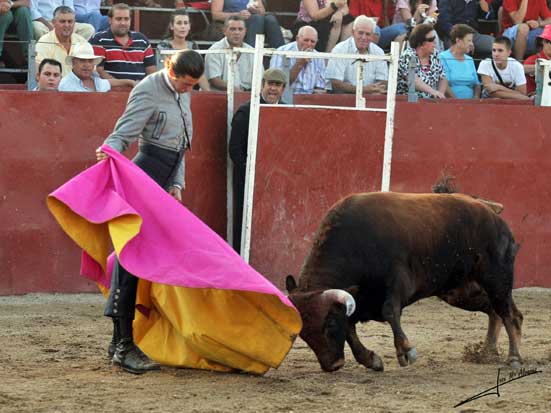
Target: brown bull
(376, 253)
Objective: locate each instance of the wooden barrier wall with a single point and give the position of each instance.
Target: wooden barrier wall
(47, 138)
(307, 160)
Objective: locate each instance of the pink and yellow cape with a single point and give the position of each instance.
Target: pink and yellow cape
(201, 305)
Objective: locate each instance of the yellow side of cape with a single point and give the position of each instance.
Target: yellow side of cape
(213, 329)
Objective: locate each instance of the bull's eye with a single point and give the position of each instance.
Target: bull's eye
(332, 326)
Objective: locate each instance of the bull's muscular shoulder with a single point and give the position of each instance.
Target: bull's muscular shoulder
(398, 216)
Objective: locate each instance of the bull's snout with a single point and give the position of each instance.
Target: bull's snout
(333, 367)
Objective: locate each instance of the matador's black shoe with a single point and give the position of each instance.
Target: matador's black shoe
(132, 359)
(114, 340)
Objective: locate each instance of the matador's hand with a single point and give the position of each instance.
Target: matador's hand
(100, 155)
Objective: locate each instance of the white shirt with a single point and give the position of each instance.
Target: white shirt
(512, 75)
(71, 83)
(345, 69)
(216, 65)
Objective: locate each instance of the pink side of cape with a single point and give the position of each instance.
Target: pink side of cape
(173, 246)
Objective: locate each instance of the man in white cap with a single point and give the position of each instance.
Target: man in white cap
(83, 77)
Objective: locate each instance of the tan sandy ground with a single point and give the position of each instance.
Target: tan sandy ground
(52, 359)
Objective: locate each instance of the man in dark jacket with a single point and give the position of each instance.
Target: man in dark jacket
(466, 12)
(273, 84)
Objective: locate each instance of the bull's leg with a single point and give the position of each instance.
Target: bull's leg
(405, 352)
(512, 320)
(362, 355)
(494, 328)
(472, 297)
(501, 300)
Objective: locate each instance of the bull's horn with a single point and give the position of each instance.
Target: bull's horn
(342, 297)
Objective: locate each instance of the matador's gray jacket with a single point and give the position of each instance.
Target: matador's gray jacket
(156, 114)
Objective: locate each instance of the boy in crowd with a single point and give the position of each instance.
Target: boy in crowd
(502, 76)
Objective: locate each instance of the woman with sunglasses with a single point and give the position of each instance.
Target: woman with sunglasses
(177, 38)
(430, 80)
(459, 66)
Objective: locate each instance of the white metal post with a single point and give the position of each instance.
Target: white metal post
(258, 70)
(390, 107)
(360, 100)
(232, 57)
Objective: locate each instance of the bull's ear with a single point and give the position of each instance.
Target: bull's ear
(290, 283)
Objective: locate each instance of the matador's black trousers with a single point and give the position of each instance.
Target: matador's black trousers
(161, 165)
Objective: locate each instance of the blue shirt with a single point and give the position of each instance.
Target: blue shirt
(233, 6)
(71, 83)
(45, 8)
(457, 11)
(87, 6)
(461, 74)
(312, 76)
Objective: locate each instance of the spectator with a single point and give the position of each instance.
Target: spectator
(43, 13)
(384, 35)
(48, 75)
(57, 43)
(530, 62)
(216, 64)
(16, 14)
(256, 19)
(127, 54)
(176, 38)
(522, 21)
(416, 10)
(83, 77)
(459, 66)
(466, 12)
(430, 80)
(342, 72)
(502, 77)
(273, 84)
(331, 19)
(87, 11)
(305, 75)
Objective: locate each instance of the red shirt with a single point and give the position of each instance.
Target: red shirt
(531, 79)
(535, 10)
(372, 8)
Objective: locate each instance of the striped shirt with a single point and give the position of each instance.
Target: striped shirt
(124, 61)
(312, 76)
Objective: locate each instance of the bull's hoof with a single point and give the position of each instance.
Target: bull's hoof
(515, 362)
(377, 363)
(412, 355)
(408, 358)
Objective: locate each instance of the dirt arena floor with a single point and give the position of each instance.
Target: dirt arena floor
(52, 359)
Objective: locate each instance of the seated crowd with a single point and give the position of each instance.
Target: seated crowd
(83, 50)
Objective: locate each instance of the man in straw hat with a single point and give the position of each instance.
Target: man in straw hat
(530, 62)
(158, 112)
(273, 85)
(83, 77)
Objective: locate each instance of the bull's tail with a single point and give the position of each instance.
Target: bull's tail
(444, 184)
